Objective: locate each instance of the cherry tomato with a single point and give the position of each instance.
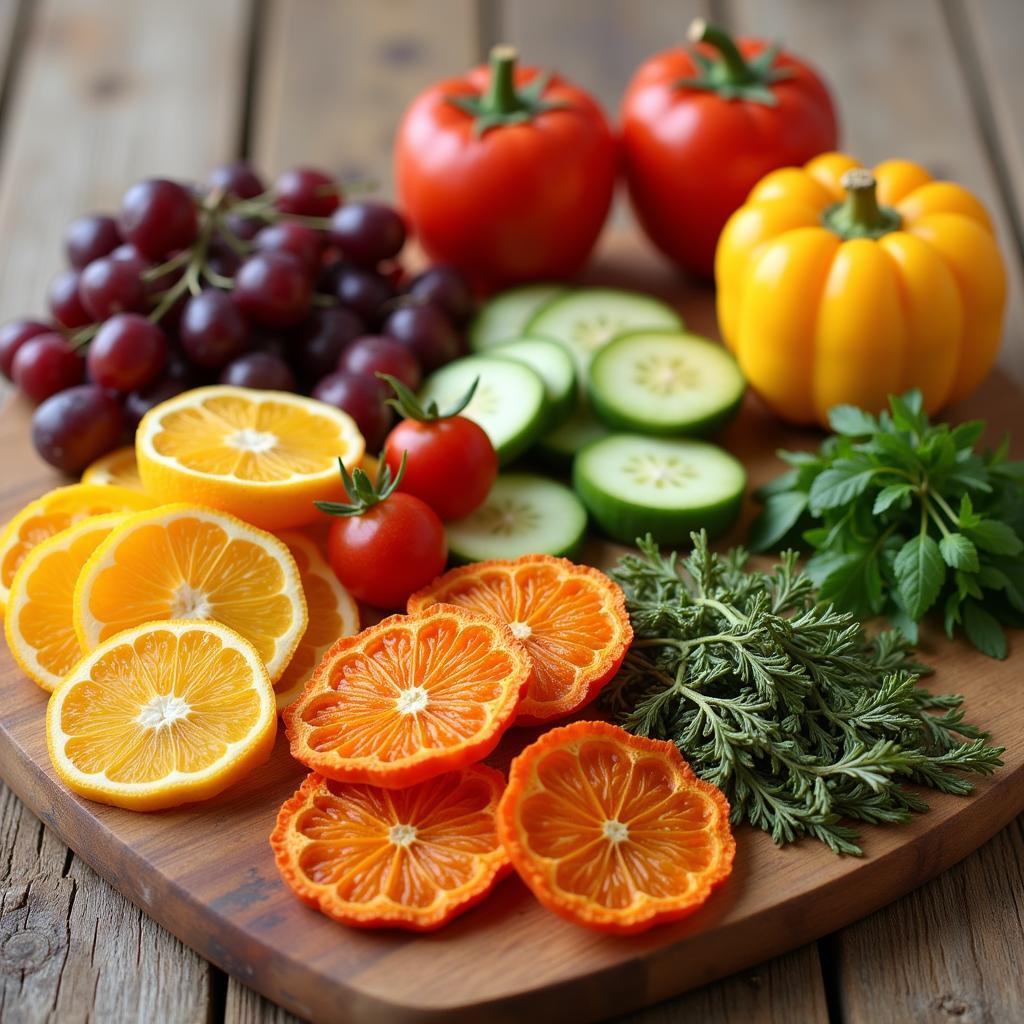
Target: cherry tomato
(692, 152)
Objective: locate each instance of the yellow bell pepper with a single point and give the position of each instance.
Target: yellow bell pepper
(838, 284)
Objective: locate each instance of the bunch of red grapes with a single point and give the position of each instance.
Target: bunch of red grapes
(290, 288)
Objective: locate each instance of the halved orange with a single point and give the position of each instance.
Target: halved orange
(614, 831)
(117, 467)
(39, 621)
(161, 715)
(409, 698)
(190, 562)
(571, 618)
(407, 858)
(332, 614)
(55, 511)
(264, 456)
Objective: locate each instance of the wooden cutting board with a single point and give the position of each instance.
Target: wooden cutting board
(206, 873)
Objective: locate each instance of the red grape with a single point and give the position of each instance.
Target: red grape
(261, 370)
(272, 289)
(64, 301)
(13, 335)
(138, 403)
(108, 286)
(304, 243)
(368, 233)
(243, 228)
(127, 353)
(44, 365)
(327, 335)
(307, 192)
(236, 179)
(75, 427)
(364, 399)
(88, 238)
(374, 354)
(158, 216)
(222, 259)
(364, 292)
(426, 332)
(212, 330)
(446, 288)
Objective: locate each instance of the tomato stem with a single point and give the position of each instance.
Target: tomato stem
(733, 68)
(501, 97)
(860, 215)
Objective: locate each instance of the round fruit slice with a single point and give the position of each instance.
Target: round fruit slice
(504, 317)
(264, 456)
(332, 614)
(189, 562)
(55, 511)
(613, 831)
(39, 620)
(161, 715)
(634, 485)
(665, 382)
(558, 447)
(117, 467)
(522, 514)
(410, 698)
(408, 858)
(571, 619)
(555, 367)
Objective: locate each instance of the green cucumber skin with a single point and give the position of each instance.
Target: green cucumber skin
(482, 341)
(557, 458)
(559, 409)
(572, 552)
(706, 427)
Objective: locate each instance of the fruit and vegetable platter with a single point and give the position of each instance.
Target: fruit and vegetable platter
(428, 623)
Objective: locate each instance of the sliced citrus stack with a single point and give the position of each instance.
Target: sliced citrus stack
(408, 858)
(614, 831)
(265, 456)
(39, 619)
(190, 562)
(332, 614)
(55, 511)
(160, 715)
(571, 618)
(409, 698)
(117, 467)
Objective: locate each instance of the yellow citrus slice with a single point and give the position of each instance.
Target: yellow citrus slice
(117, 467)
(190, 562)
(161, 715)
(264, 456)
(332, 614)
(39, 621)
(55, 511)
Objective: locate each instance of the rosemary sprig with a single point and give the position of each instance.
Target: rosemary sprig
(803, 720)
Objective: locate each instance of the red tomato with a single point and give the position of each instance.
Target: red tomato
(691, 155)
(451, 463)
(386, 552)
(505, 185)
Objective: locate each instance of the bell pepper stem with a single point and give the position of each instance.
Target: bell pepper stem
(501, 97)
(734, 69)
(860, 215)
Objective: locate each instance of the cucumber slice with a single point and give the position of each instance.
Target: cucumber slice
(665, 382)
(634, 485)
(508, 402)
(559, 447)
(523, 515)
(504, 317)
(553, 364)
(586, 319)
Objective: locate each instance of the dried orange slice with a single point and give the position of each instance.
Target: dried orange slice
(55, 511)
(409, 698)
(332, 614)
(117, 467)
(161, 715)
(264, 456)
(403, 858)
(190, 562)
(39, 621)
(571, 618)
(614, 831)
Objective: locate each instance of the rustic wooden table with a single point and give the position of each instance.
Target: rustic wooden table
(97, 93)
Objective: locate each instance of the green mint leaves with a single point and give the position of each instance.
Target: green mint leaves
(904, 516)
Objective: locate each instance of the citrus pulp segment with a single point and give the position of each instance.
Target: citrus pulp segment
(189, 562)
(160, 715)
(39, 620)
(117, 467)
(407, 858)
(264, 456)
(571, 619)
(410, 698)
(614, 831)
